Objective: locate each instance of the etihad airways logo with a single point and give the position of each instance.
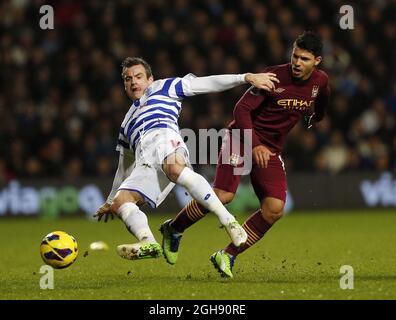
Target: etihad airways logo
(297, 104)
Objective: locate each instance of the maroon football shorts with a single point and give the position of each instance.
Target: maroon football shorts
(266, 182)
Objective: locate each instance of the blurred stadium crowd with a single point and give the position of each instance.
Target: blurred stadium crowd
(62, 98)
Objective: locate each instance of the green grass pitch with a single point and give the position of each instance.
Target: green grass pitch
(300, 258)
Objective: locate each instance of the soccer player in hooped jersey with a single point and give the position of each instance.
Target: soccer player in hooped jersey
(302, 90)
(150, 144)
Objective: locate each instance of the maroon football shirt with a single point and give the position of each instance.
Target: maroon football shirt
(273, 114)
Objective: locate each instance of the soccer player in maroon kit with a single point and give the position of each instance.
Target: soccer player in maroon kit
(302, 90)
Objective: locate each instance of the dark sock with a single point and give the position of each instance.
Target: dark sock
(255, 226)
(190, 214)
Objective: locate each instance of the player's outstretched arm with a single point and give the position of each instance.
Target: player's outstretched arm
(218, 83)
(125, 165)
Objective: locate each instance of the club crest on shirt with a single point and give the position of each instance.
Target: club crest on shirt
(315, 91)
(279, 90)
(234, 159)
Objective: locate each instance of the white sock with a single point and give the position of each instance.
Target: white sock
(136, 221)
(203, 193)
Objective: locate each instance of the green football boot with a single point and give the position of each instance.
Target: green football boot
(223, 262)
(139, 251)
(170, 242)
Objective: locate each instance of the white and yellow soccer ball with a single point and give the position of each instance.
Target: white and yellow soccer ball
(59, 249)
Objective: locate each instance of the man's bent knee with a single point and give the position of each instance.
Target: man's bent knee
(272, 209)
(224, 196)
(124, 196)
(173, 171)
(173, 166)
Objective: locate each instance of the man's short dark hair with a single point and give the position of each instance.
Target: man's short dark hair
(134, 61)
(311, 42)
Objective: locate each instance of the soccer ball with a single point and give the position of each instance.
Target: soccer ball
(59, 249)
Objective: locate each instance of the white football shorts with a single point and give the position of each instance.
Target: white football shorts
(147, 177)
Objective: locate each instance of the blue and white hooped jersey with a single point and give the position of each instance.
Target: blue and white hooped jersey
(159, 107)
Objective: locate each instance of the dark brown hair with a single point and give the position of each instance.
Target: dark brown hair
(311, 42)
(134, 61)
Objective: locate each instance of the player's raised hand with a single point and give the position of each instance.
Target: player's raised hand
(265, 81)
(261, 155)
(104, 211)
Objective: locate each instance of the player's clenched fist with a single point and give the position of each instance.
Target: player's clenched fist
(263, 81)
(105, 211)
(261, 155)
